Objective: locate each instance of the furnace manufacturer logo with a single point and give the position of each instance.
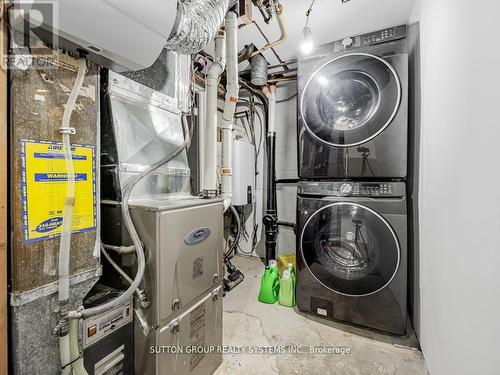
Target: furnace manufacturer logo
(196, 236)
(28, 21)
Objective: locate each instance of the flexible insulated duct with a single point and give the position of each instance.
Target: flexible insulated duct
(199, 22)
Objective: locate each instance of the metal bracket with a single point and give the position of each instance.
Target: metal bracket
(70, 131)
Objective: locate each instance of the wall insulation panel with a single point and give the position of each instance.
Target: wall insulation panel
(37, 99)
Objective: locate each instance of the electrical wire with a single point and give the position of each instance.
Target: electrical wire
(230, 253)
(287, 99)
(308, 12)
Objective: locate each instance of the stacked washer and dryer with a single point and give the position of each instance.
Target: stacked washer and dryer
(351, 204)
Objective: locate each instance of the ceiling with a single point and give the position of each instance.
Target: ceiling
(330, 20)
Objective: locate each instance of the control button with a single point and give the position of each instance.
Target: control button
(91, 331)
(346, 189)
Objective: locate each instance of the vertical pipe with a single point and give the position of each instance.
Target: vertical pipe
(271, 217)
(229, 107)
(210, 150)
(65, 243)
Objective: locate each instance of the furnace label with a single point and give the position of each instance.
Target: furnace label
(43, 188)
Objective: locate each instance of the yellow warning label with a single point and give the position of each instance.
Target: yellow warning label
(43, 188)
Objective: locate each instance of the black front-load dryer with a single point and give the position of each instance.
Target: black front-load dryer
(352, 108)
(352, 253)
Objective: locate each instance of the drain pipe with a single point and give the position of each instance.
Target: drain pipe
(210, 187)
(270, 219)
(229, 108)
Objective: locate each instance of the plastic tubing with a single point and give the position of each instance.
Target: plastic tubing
(139, 250)
(76, 359)
(69, 202)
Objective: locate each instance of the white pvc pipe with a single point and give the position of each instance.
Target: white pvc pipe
(229, 108)
(270, 93)
(212, 81)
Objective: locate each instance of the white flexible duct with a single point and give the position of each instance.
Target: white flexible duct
(229, 107)
(69, 202)
(212, 81)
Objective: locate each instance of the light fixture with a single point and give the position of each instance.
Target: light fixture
(307, 43)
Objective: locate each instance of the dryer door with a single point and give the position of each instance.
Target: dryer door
(350, 100)
(350, 249)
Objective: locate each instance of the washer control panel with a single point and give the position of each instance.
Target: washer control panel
(352, 189)
(376, 189)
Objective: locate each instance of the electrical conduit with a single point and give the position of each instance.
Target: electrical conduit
(69, 202)
(232, 89)
(211, 82)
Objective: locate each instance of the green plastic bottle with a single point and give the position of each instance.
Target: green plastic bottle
(287, 287)
(270, 283)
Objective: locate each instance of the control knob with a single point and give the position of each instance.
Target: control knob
(347, 42)
(346, 189)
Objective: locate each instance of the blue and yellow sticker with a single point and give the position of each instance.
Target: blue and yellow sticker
(43, 188)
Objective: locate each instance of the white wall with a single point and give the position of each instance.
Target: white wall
(459, 199)
(286, 164)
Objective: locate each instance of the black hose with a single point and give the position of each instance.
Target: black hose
(229, 254)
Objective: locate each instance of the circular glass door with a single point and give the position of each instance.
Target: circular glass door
(350, 249)
(350, 100)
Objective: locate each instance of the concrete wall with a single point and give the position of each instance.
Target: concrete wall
(459, 201)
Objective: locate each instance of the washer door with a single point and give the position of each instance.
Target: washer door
(350, 249)
(350, 100)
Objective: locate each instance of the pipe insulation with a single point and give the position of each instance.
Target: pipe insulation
(232, 89)
(67, 225)
(211, 83)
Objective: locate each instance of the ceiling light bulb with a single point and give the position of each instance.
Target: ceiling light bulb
(307, 44)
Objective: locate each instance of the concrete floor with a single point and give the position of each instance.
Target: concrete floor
(249, 322)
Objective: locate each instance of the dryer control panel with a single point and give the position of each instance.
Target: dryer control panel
(383, 36)
(359, 41)
(352, 189)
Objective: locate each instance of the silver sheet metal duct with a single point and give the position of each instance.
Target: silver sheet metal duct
(143, 124)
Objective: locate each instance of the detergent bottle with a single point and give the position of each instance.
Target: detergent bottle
(270, 283)
(287, 287)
